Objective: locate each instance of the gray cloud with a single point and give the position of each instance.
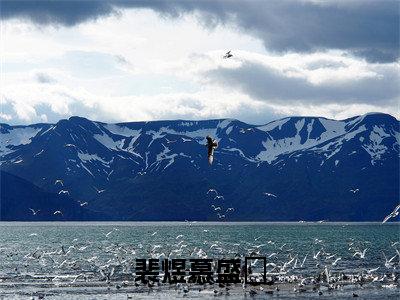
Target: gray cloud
(267, 84)
(369, 29)
(42, 77)
(45, 12)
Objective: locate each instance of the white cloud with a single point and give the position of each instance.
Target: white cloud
(139, 66)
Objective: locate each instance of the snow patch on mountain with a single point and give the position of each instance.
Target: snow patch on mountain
(375, 148)
(16, 137)
(86, 169)
(164, 156)
(229, 130)
(225, 123)
(240, 152)
(199, 134)
(123, 130)
(333, 128)
(105, 140)
(155, 135)
(299, 125)
(272, 125)
(86, 157)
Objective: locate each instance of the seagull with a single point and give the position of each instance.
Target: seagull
(230, 209)
(219, 197)
(98, 191)
(211, 145)
(270, 195)
(372, 270)
(34, 212)
(154, 233)
(388, 262)
(106, 276)
(315, 256)
(393, 214)
(83, 203)
(361, 254)
(304, 260)
(108, 234)
(336, 261)
(59, 181)
(57, 212)
(77, 276)
(212, 191)
(64, 192)
(216, 207)
(228, 54)
(354, 191)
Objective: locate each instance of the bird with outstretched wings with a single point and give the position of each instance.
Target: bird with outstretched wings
(211, 145)
(228, 54)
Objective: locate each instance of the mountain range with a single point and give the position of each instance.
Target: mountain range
(292, 169)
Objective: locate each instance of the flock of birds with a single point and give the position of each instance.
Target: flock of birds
(320, 268)
(60, 182)
(220, 211)
(218, 208)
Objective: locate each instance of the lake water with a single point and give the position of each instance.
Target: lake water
(97, 260)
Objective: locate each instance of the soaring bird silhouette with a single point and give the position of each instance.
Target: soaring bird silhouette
(228, 54)
(34, 212)
(393, 214)
(211, 145)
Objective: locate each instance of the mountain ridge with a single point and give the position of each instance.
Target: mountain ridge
(141, 165)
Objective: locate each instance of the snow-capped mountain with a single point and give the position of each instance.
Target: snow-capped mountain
(297, 168)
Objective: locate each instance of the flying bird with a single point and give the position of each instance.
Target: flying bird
(211, 145)
(336, 261)
(393, 214)
(354, 191)
(212, 191)
(64, 192)
(98, 191)
(57, 212)
(82, 203)
(372, 270)
(59, 181)
(361, 254)
(108, 233)
(270, 195)
(228, 54)
(215, 207)
(34, 212)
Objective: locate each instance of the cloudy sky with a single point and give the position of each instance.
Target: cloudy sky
(118, 61)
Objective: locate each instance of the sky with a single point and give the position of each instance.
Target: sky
(121, 61)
